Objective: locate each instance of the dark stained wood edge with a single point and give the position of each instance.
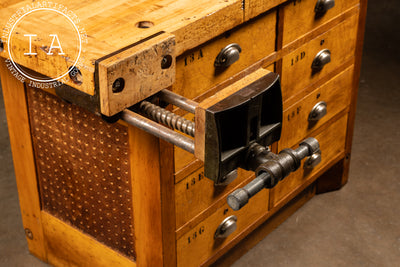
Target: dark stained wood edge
(339, 175)
(330, 180)
(353, 105)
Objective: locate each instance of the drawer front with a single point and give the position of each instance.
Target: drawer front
(300, 17)
(196, 193)
(301, 119)
(297, 71)
(199, 244)
(195, 71)
(332, 144)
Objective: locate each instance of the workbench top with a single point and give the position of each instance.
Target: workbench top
(105, 27)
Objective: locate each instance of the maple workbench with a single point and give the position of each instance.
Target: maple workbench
(100, 193)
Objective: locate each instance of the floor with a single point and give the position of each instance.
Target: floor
(356, 226)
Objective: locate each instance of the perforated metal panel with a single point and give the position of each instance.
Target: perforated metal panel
(83, 170)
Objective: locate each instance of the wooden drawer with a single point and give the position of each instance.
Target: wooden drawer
(332, 143)
(299, 17)
(196, 193)
(199, 244)
(195, 71)
(335, 93)
(296, 66)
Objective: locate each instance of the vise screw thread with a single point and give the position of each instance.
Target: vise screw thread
(168, 118)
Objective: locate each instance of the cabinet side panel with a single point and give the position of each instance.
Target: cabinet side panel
(83, 170)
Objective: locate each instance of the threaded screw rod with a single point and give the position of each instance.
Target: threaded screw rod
(168, 118)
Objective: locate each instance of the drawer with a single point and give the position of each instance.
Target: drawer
(196, 193)
(334, 95)
(332, 144)
(297, 71)
(195, 71)
(300, 17)
(199, 244)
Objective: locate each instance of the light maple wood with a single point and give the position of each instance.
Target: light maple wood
(299, 17)
(340, 40)
(202, 107)
(67, 246)
(168, 207)
(140, 68)
(335, 93)
(111, 26)
(198, 244)
(195, 71)
(146, 197)
(332, 143)
(259, 230)
(253, 8)
(160, 233)
(196, 193)
(23, 158)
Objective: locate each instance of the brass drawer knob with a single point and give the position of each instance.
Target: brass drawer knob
(321, 59)
(228, 55)
(318, 111)
(324, 5)
(312, 161)
(227, 227)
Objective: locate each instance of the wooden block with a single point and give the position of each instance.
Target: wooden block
(140, 72)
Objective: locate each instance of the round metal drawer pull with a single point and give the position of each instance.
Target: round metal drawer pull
(312, 161)
(318, 111)
(228, 55)
(321, 59)
(227, 227)
(324, 5)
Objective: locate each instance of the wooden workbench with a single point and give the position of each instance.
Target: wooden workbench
(94, 193)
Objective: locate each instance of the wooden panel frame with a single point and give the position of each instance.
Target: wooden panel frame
(24, 161)
(61, 245)
(152, 195)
